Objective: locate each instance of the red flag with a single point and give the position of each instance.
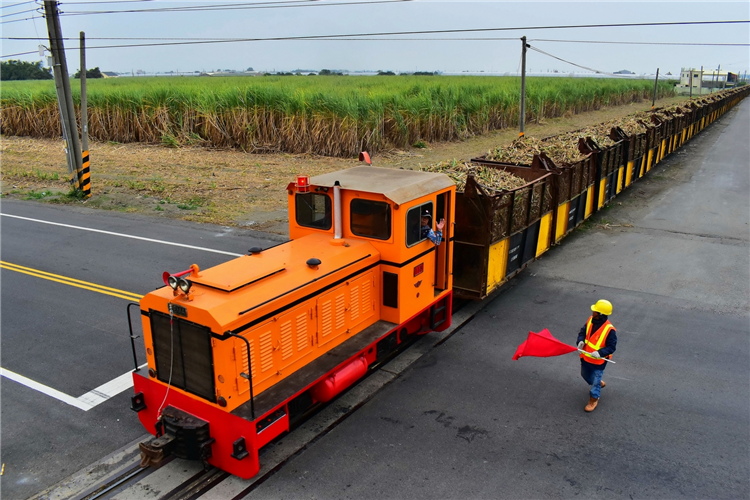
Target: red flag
(542, 345)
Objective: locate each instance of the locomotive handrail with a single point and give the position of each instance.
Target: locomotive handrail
(132, 338)
(249, 375)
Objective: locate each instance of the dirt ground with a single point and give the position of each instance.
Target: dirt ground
(226, 187)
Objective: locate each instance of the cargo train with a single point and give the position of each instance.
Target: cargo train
(239, 353)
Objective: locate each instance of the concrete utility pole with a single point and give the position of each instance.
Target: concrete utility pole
(60, 69)
(691, 83)
(656, 85)
(85, 161)
(718, 74)
(713, 78)
(700, 83)
(522, 118)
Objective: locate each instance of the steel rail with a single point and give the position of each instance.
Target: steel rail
(118, 481)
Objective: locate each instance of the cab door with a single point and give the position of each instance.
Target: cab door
(442, 255)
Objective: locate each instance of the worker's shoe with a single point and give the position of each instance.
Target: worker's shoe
(603, 384)
(592, 404)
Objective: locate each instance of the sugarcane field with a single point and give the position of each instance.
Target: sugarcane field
(374, 249)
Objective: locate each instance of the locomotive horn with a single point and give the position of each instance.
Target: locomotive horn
(165, 276)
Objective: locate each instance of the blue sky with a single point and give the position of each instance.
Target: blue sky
(398, 55)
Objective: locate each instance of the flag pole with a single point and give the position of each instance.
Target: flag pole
(592, 357)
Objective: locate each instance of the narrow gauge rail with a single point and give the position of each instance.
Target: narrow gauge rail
(240, 353)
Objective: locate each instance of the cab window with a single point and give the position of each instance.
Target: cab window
(414, 232)
(313, 210)
(371, 219)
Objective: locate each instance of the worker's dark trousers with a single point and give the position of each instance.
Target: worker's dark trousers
(592, 374)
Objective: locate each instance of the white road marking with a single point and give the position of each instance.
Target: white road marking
(86, 402)
(124, 235)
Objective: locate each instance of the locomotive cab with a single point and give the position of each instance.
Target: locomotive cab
(384, 207)
(239, 352)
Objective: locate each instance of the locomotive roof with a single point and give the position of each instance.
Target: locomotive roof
(399, 186)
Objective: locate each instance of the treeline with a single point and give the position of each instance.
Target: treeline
(23, 70)
(90, 73)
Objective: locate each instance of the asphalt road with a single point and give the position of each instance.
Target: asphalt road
(72, 339)
(464, 421)
(674, 420)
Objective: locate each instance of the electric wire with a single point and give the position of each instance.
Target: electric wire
(360, 36)
(171, 359)
(451, 39)
(272, 5)
(19, 54)
(187, 8)
(16, 4)
(19, 13)
(200, 41)
(579, 65)
(19, 20)
(701, 44)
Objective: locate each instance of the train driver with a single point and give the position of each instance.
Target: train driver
(426, 231)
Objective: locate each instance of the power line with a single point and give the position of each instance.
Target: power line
(16, 4)
(577, 65)
(19, 54)
(645, 43)
(18, 13)
(479, 39)
(258, 5)
(18, 20)
(359, 36)
(159, 9)
(110, 2)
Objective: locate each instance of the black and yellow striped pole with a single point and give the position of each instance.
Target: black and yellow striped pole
(84, 176)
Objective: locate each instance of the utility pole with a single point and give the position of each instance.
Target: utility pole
(713, 78)
(85, 170)
(60, 68)
(700, 83)
(691, 83)
(718, 74)
(656, 85)
(522, 118)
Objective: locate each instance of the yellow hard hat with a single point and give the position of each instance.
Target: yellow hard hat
(602, 307)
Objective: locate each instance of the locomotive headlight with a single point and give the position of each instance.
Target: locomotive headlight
(172, 281)
(184, 285)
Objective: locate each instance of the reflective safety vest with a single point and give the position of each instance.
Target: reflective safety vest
(596, 341)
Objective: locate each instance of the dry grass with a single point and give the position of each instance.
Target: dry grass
(226, 187)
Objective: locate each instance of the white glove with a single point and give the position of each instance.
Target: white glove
(581, 344)
(595, 354)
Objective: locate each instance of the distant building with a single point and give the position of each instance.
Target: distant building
(703, 82)
(110, 74)
(623, 72)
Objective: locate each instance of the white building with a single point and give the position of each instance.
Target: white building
(703, 81)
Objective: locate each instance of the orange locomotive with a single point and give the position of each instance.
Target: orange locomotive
(238, 353)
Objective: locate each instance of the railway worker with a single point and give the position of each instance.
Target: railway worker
(598, 339)
(426, 231)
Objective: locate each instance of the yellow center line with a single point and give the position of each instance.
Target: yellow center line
(70, 281)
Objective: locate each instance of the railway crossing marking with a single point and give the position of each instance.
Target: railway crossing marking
(86, 402)
(70, 281)
(123, 235)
